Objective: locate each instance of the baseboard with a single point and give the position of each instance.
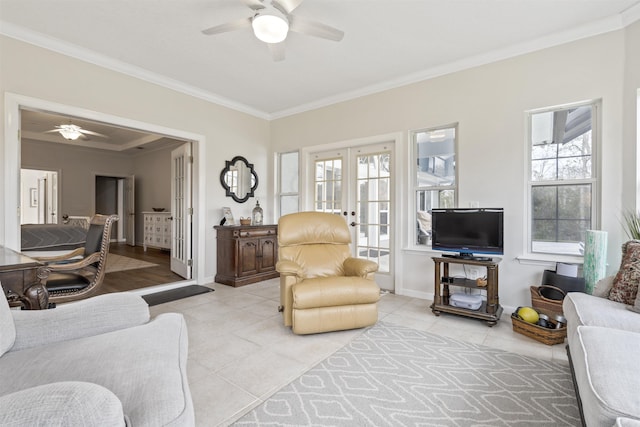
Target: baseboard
(416, 294)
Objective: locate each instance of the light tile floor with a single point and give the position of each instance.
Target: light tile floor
(240, 353)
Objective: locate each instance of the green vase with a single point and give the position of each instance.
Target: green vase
(595, 258)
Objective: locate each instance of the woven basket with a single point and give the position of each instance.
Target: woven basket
(544, 335)
(545, 304)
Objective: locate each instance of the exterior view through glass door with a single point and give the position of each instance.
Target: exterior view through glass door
(356, 183)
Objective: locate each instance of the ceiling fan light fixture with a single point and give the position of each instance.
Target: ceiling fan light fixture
(270, 28)
(70, 132)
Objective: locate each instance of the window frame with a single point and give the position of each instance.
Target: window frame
(280, 194)
(594, 181)
(414, 178)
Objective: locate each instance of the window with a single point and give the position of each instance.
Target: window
(562, 180)
(328, 194)
(435, 176)
(288, 183)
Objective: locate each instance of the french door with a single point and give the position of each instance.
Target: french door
(181, 211)
(356, 183)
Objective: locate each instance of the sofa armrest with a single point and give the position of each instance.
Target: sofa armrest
(289, 268)
(359, 267)
(92, 316)
(62, 404)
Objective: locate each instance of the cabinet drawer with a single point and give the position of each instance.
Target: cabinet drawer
(256, 233)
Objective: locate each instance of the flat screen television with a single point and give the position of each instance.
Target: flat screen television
(468, 232)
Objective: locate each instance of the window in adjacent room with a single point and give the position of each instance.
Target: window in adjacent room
(435, 176)
(563, 183)
(288, 191)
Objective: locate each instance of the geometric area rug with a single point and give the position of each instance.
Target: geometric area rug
(121, 263)
(396, 376)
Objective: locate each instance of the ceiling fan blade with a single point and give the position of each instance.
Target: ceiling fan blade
(229, 26)
(286, 6)
(254, 4)
(313, 28)
(277, 51)
(88, 132)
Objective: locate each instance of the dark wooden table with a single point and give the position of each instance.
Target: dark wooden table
(22, 279)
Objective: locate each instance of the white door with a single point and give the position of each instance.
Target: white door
(356, 183)
(130, 209)
(181, 210)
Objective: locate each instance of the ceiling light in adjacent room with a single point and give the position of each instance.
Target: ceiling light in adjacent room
(270, 28)
(70, 132)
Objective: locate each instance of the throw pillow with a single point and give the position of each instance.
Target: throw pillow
(625, 284)
(603, 287)
(636, 305)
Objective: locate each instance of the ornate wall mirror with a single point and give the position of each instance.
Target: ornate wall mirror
(239, 179)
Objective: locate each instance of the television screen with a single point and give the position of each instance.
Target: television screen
(468, 231)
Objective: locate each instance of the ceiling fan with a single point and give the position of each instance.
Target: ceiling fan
(73, 132)
(271, 22)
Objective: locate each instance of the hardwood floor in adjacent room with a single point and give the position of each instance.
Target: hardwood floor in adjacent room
(142, 277)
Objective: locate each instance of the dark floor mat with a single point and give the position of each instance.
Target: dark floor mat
(175, 294)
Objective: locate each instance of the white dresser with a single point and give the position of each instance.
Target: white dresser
(157, 230)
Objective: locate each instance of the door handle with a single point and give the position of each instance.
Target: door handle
(353, 224)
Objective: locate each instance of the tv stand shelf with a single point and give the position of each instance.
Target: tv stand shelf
(490, 311)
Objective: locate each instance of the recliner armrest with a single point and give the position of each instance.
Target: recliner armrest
(89, 317)
(289, 268)
(62, 404)
(359, 267)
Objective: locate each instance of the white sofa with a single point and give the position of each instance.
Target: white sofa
(604, 345)
(95, 362)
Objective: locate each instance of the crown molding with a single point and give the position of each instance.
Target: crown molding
(602, 26)
(38, 39)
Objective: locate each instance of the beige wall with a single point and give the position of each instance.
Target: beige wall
(34, 72)
(631, 117)
(77, 169)
(489, 104)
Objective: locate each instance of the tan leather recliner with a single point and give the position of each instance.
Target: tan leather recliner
(323, 288)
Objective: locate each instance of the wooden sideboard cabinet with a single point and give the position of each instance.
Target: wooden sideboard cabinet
(246, 254)
(157, 230)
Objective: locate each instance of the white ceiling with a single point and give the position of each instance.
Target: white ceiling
(387, 43)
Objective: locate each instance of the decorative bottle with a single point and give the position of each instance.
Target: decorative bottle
(256, 217)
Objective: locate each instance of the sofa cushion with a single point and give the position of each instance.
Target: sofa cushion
(7, 328)
(144, 366)
(69, 403)
(625, 284)
(606, 372)
(626, 422)
(584, 309)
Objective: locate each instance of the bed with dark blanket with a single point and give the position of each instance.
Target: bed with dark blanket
(52, 237)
